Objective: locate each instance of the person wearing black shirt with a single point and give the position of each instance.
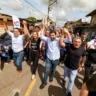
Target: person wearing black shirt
(35, 52)
(90, 64)
(89, 87)
(74, 53)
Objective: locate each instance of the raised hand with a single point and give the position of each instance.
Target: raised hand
(65, 30)
(24, 22)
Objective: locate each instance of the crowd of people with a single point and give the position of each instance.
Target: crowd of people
(55, 46)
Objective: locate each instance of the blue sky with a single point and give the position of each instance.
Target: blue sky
(63, 11)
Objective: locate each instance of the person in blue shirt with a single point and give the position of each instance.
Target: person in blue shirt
(3, 56)
(52, 55)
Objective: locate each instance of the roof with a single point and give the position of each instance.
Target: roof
(5, 15)
(88, 26)
(9, 17)
(91, 13)
(2, 16)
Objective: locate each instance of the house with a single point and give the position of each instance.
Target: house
(93, 17)
(10, 22)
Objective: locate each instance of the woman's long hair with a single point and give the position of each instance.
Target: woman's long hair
(32, 38)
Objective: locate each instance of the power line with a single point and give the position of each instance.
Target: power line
(34, 7)
(9, 11)
(11, 8)
(28, 8)
(21, 4)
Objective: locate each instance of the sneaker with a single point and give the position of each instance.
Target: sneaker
(42, 85)
(51, 79)
(33, 77)
(0, 71)
(6, 63)
(19, 73)
(63, 83)
(69, 94)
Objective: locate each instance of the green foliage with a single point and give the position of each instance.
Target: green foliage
(33, 19)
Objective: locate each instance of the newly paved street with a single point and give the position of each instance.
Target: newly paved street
(12, 85)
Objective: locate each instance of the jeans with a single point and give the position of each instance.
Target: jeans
(18, 57)
(50, 64)
(8, 58)
(2, 61)
(72, 75)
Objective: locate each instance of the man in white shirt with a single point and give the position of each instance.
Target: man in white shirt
(17, 45)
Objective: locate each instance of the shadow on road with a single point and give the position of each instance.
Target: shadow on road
(41, 70)
(57, 76)
(55, 91)
(17, 94)
(78, 82)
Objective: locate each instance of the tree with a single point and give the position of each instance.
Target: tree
(33, 19)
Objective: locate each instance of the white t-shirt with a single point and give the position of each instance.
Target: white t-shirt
(91, 44)
(17, 42)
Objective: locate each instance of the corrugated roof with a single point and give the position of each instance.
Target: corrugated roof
(91, 13)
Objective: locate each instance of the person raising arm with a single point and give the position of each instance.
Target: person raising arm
(74, 53)
(17, 45)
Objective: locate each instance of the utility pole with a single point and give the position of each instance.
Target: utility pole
(51, 2)
(48, 10)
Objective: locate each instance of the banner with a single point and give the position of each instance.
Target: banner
(16, 21)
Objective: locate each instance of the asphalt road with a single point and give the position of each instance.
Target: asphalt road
(13, 85)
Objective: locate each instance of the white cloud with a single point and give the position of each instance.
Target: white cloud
(74, 5)
(13, 4)
(67, 9)
(44, 1)
(73, 9)
(62, 15)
